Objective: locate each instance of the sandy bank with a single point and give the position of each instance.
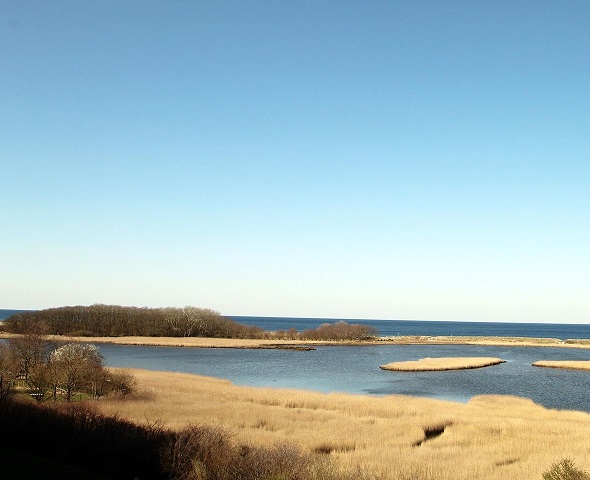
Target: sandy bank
(571, 364)
(442, 364)
(197, 342)
(488, 341)
(202, 342)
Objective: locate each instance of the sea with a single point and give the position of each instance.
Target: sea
(5, 313)
(389, 328)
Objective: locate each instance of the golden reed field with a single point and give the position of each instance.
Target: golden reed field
(392, 437)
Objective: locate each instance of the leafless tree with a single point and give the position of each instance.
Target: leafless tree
(75, 367)
(8, 372)
(30, 347)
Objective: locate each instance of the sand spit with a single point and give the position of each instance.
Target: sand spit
(202, 342)
(442, 364)
(569, 364)
(482, 340)
(196, 342)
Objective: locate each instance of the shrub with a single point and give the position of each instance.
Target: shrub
(9, 369)
(203, 452)
(340, 331)
(565, 470)
(81, 436)
(81, 333)
(121, 383)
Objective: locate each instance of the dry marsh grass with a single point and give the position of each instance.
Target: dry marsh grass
(392, 437)
(569, 364)
(442, 364)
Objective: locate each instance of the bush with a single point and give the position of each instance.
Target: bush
(202, 452)
(565, 470)
(121, 383)
(9, 370)
(79, 435)
(80, 333)
(340, 331)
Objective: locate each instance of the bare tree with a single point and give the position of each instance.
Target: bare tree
(8, 373)
(30, 347)
(75, 367)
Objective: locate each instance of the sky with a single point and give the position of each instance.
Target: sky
(425, 160)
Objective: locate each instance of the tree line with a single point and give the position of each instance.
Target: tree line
(116, 320)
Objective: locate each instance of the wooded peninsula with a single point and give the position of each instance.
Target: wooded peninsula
(117, 321)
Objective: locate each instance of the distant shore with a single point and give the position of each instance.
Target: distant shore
(203, 342)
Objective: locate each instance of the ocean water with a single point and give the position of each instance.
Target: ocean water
(388, 328)
(4, 313)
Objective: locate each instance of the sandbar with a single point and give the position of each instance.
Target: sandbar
(205, 342)
(569, 364)
(198, 342)
(442, 364)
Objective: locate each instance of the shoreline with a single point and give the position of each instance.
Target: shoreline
(205, 342)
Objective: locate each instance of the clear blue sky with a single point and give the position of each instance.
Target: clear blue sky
(384, 159)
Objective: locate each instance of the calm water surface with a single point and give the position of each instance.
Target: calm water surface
(387, 328)
(356, 370)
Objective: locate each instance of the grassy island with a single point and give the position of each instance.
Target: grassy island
(569, 364)
(441, 364)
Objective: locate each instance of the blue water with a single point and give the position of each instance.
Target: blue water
(4, 313)
(388, 328)
(355, 369)
(432, 328)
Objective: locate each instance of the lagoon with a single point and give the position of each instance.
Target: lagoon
(355, 369)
